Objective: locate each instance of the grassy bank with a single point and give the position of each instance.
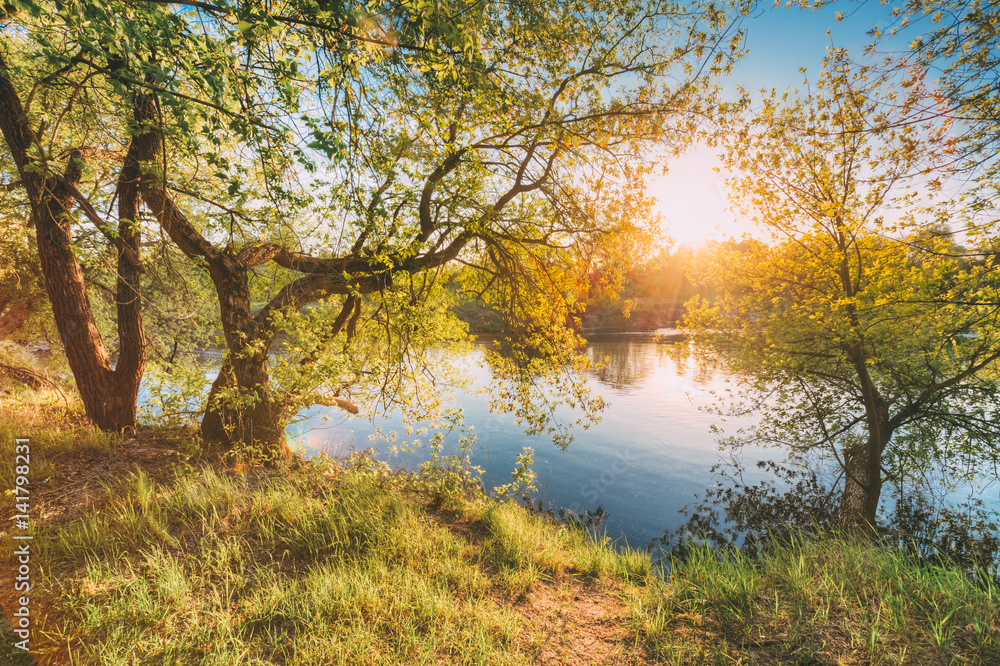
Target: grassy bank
(820, 602)
(174, 560)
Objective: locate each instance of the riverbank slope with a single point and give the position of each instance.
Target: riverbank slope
(148, 551)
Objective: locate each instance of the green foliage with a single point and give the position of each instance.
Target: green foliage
(401, 349)
(533, 388)
(958, 42)
(861, 337)
(339, 153)
(176, 393)
(450, 477)
(522, 481)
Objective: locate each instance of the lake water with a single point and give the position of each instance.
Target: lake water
(648, 457)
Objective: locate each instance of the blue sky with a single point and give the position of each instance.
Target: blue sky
(692, 197)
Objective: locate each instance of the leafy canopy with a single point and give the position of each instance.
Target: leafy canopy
(862, 334)
(340, 157)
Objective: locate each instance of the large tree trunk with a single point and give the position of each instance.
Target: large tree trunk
(862, 486)
(862, 464)
(108, 394)
(258, 416)
(257, 421)
(241, 406)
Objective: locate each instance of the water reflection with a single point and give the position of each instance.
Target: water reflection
(625, 362)
(689, 360)
(649, 456)
(621, 365)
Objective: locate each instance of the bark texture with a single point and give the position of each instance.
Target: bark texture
(241, 405)
(862, 488)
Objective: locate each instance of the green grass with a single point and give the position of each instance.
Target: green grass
(523, 547)
(820, 601)
(328, 562)
(215, 568)
(52, 422)
(305, 564)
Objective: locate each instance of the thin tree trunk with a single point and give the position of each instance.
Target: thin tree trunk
(128, 291)
(862, 465)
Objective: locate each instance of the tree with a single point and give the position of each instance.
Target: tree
(340, 158)
(959, 48)
(955, 42)
(50, 175)
(854, 343)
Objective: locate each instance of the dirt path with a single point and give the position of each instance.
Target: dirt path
(581, 624)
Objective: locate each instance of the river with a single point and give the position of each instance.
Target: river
(649, 456)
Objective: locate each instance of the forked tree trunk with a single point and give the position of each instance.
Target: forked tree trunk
(241, 406)
(108, 394)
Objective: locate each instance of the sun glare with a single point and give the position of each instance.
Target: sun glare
(691, 197)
